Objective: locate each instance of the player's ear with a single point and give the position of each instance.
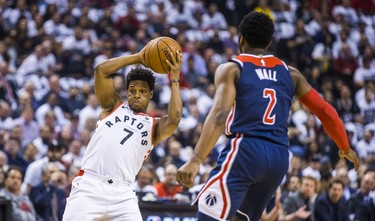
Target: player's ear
(151, 94)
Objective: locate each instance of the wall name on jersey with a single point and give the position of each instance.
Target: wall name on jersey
(266, 74)
(132, 121)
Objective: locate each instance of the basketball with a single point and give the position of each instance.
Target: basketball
(158, 51)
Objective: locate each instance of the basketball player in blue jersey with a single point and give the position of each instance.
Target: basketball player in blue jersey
(254, 93)
(124, 137)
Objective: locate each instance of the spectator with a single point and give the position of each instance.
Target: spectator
(48, 199)
(74, 155)
(29, 152)
(366, 146)
(304, 198)
(366, 210)
(129, 23)
(205, 101)
(346, 106)
(51, 105)
(364, 72)
(174, 152)
(33, 174)
(22, 207)
(200, 67)
(290, 187)
(169, 189)
(313, 169)
(7, 86)
(342, 174)
(3, 161)
(332, 205)
(365, 99)
(65, 135)
(77, 44)
(53, 87)
(362, 194)
(144, 181)
(91, 110)
(43, 141)
(346, 9)
(213, 19)
(24, 99)
(300, 46)
(345, 64)
(295, 166)
(6, 122)
(2, 178)
(12, 150)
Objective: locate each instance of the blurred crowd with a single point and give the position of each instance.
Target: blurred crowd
(48, 109)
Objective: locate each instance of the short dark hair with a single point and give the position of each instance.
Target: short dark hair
(257, 29)
(10, 168)
(142, 75)
(55, 146)
(336, 180)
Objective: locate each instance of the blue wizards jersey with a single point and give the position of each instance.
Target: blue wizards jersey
(265, 91)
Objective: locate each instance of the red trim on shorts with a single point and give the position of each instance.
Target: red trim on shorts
(81, 172)
(221, 175)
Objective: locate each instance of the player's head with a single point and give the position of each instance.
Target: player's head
(256, 30)
(140, 84)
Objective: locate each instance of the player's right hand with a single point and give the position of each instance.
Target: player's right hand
(351, 156)
(142, 54)
(187, 173)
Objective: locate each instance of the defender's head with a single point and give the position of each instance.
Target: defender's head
(256, 31)
(140, 85)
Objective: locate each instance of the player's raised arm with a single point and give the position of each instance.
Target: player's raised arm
(103, 82)
(225, 78)
(167, 125)
(326, 114)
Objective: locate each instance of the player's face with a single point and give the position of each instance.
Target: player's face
(139, 95)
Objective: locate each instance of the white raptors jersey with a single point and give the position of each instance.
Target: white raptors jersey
(121, 142)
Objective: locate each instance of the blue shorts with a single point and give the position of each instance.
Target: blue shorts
(247, 174)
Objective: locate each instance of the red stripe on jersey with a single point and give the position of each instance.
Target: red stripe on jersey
(261, 61)
(230, 119)
(153, 130)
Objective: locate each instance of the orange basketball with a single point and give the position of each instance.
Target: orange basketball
(158, 51)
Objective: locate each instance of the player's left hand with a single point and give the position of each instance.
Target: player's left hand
(351, 156)
(187, 173)
(175, 64)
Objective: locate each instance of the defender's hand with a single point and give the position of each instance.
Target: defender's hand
(351, 156)
(187, 173)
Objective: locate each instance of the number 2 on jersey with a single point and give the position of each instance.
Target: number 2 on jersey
(130, 133)
(270, 94)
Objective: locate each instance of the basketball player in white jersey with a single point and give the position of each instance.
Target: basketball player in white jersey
(123, 138)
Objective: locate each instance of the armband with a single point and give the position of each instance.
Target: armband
(328, 116)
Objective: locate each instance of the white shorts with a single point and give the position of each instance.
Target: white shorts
(95, 197)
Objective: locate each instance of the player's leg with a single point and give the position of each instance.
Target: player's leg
(84, 201)
(259, 194)
(124, 203)
(224, 191)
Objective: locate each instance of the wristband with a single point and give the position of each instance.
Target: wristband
(175, 80)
